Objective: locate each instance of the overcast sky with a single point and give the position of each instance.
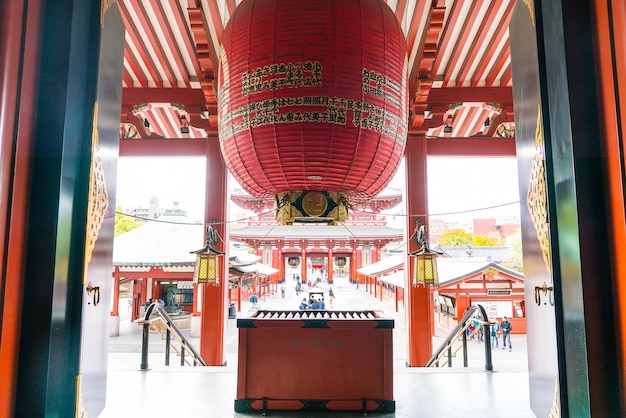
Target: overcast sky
(454, 185)
(463, 184)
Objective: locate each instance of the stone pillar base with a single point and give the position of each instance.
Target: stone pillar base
(195, 326)
(114, 326)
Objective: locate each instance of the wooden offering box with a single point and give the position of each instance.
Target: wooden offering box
(315, 361)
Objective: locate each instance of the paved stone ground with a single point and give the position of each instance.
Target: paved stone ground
(210, 391)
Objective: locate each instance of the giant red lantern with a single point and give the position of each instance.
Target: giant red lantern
(313, 102)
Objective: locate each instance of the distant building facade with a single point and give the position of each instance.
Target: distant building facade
(315, 251)
(154, 210)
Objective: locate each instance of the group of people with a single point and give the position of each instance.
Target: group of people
(497, 329)
(313, 303)
(502, 329)
(317, 302)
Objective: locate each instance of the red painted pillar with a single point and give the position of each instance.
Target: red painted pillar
(115, 311)
(214, 315)
(419, 322)
(281, 262)
(462, 303)
(196, 301)
(330, 265)
(303, 263)
(353, 274)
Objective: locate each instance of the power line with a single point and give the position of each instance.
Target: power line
(271, 211)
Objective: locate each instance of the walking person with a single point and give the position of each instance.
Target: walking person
(495, 333)
(470, 329)
(506, 327)
(254, 300)
(479, 330)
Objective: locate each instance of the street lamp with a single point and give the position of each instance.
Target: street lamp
(424, 262)
(207, 269)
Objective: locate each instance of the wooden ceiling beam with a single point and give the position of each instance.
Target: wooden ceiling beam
(133, 96)
(501, 95)
(501, 31)
(141, 44)
(131, 61)
(205, 50)
(475, 48)
(151, 37)
(178, 147)
(452, 21)
(421, 76)
(470, 147)
(501, 62)
(461, 44)
(188, 39)
(440, 99)
(400, 10)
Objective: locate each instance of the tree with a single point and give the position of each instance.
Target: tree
(460, 237)
(455, 237)
(123, 223)
(515, 262)
(492, 239)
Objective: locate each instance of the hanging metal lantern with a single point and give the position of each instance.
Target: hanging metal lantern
(293, 262)
(207, 268)
(424, 262)
(340, 261)
(313, 102)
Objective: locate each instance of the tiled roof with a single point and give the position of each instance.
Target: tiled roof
(457, 269)
(241, 258)
(242, 263)
(495, 254)
(317, 231)
(256, 268)
(382, 266)
(167, 241)
(449, 269)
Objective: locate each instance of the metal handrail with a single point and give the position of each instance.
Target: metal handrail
(445, 350)
(170, 328)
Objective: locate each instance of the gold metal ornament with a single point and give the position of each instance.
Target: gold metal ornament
(98, 195)
(537, 196)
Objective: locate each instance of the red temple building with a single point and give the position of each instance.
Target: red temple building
(342, 249)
